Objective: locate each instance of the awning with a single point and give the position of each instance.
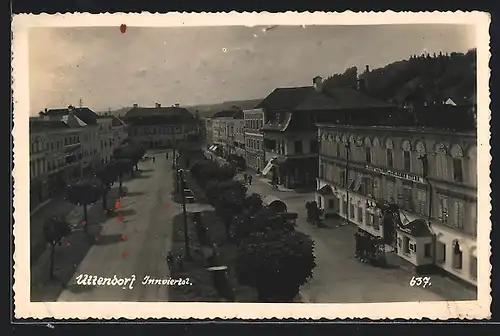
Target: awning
(417, 228)
(325, 190)
(268, 167)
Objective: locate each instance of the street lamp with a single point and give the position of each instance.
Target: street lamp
(180, 177)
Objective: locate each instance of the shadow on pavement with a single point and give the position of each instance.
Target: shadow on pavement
(67, 256)
(124, 212)
(134, 193)
(108, 239)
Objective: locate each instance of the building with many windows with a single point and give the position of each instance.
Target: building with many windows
(159, 127)
(422, 163)
(112, 135)
(254, 140)
(228, 133)
(290, 133)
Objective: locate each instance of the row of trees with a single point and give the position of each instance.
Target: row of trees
(88, 191)
(272, 256)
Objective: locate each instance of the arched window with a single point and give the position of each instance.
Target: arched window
(389, 154)
(406, 147)
(472, 164)
(441, 161)
(338, 143)
(457, 155)
(457, 255)
(368, 150)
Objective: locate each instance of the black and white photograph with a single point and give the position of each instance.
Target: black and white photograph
(299, 164)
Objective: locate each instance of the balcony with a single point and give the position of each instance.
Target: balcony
(72, 147)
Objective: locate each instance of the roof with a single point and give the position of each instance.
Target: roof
(85, 114)
(417, 228)
(146, 115)
(157, 111)
(325, 190)
(307, 98)
(40, 125)
(228, 114)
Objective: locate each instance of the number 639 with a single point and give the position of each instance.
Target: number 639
(420, 281)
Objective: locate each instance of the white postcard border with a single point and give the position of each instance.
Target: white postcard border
(479, 308)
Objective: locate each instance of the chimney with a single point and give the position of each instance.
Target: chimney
(318, 83)
(176, 104)
(135, 105)
(70, 109)
(158, 105)
(367, 69)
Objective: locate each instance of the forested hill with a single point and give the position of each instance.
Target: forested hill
(432, 78)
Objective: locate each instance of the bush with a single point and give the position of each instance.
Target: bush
(263, 221)
(276, 264)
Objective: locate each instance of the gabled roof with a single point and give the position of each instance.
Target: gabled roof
(325, 190)
(307, 98)
(85, 114)
(417, 228)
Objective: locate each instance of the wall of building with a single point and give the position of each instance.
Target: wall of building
(158, 135)
(387, 164)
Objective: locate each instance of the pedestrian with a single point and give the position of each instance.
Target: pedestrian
(250, 179)
(166, 155)
(170, 260)
(180, 261)
(246, 177)
(154, 158)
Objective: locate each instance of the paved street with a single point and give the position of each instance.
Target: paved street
(339, 277)
(147, 210)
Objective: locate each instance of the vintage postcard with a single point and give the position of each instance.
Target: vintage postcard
(252, 165)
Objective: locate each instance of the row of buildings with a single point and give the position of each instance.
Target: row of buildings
(69, 143)
(359, 152)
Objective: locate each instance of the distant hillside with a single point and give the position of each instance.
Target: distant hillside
(209, 110)
(117, 113)
(430, 78)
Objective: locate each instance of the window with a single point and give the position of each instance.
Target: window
(473, 267)
(342, 178)
(390, 159)
(368, 155)
(376, 222)
(441, 162)
(443, 209)
(457, 256)
(298, 146)
(427, 250)
(407, 161)
(367, 186)
(337, 149)
(322, 170)
(390, 191)
(458, 214)
(351, 210)
(407, 199)
(344, 207)
(406, 245)
(369, 218)
(360, 214)
(422, 202)
(376, 188)
(458, 175)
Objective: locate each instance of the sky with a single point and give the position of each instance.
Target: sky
(106, 69)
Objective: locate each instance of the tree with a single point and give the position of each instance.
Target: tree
(214, 188)
(54, 230)
(228, 204)
(123, 166)
(107, 175)
(133, 153)
(276, 264)
(253, 203)
(84, 193)
(261, 221)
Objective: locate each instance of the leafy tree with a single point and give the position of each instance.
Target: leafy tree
(228, 204)
(261, 221)
(54, 230)
(134, 153)
(123, 166)
(215, 188)
(107, 175)
(84, 193)
(276, 264)
(253, 203)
